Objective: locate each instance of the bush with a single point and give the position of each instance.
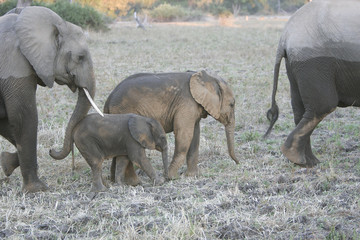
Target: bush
(166, 12)
(7, 6)
(83, 16)
(219, 10)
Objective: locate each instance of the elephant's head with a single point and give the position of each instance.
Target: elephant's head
(58, 52)
(215, 95)
(151, 135)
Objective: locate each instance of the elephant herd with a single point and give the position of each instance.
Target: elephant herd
(320, 44)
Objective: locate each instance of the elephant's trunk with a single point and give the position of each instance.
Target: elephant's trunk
(165, 162)
(229, 129)
(81, 109)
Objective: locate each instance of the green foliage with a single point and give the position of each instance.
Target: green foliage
(83, 16)
(7, 6)
(166, 12)
(218, 10)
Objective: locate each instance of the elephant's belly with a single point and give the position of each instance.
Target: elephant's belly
(347, 82)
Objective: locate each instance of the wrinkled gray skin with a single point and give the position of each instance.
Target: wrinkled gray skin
(321, 47)
(178, 101)
(37, 47)
(124, 137)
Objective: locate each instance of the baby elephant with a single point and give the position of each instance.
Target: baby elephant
(124, 137)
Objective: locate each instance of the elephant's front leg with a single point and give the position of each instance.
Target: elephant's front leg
(192, 158)
(183, 138)
(124, 171)
(21, 108)
(138, 155)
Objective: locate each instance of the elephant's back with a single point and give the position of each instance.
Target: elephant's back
(324, 28)
(150, 87)
(156, 96)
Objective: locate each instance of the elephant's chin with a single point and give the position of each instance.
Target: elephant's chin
(70, 84)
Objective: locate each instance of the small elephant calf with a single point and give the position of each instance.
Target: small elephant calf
(124, 137)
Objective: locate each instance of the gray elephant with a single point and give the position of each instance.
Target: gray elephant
(37, 47)
(321, 46)
(125, 137)
(178, 101)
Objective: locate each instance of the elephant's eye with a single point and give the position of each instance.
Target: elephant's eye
(232, 105)
(81, 58)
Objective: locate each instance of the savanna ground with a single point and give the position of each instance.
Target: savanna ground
(264, 197)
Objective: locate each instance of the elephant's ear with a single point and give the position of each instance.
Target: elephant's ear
(38, 36)
(141, 131)
(206, 91)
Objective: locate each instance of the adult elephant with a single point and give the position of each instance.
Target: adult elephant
(178, 101)
(321, 46)
(37, 47)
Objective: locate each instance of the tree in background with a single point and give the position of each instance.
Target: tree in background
(216, 7)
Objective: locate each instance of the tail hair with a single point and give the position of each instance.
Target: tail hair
(272, 115)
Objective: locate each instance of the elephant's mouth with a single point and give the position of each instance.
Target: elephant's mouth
(70, 83)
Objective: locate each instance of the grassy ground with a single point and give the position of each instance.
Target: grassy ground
(264, 197)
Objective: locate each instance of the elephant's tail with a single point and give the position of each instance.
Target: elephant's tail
(273, 113)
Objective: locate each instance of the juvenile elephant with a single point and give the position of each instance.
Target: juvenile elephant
(125, 137)
(321, 46)
(37, 47)
(178, 101)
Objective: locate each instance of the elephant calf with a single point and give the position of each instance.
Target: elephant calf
(178, 101)
(125, 137)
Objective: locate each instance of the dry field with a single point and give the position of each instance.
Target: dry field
(264, 197)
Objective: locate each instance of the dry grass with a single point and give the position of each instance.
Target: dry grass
(264, 197)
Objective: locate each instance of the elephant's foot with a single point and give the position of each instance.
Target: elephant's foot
(9, 162)
(311, 160)
(306, 159)
(35, 186)
(173, 173)
(133, 181)
(98, 188)
(192, 172)
(159, 181)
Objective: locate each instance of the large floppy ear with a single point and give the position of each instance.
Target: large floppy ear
(38, 35)
(141, 131)
(206, 91)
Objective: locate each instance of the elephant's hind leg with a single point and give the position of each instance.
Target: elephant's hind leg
(297, 146)
(131, 178)
(313, 96)
(9, 162)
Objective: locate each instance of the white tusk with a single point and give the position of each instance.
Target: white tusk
(92, 102)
